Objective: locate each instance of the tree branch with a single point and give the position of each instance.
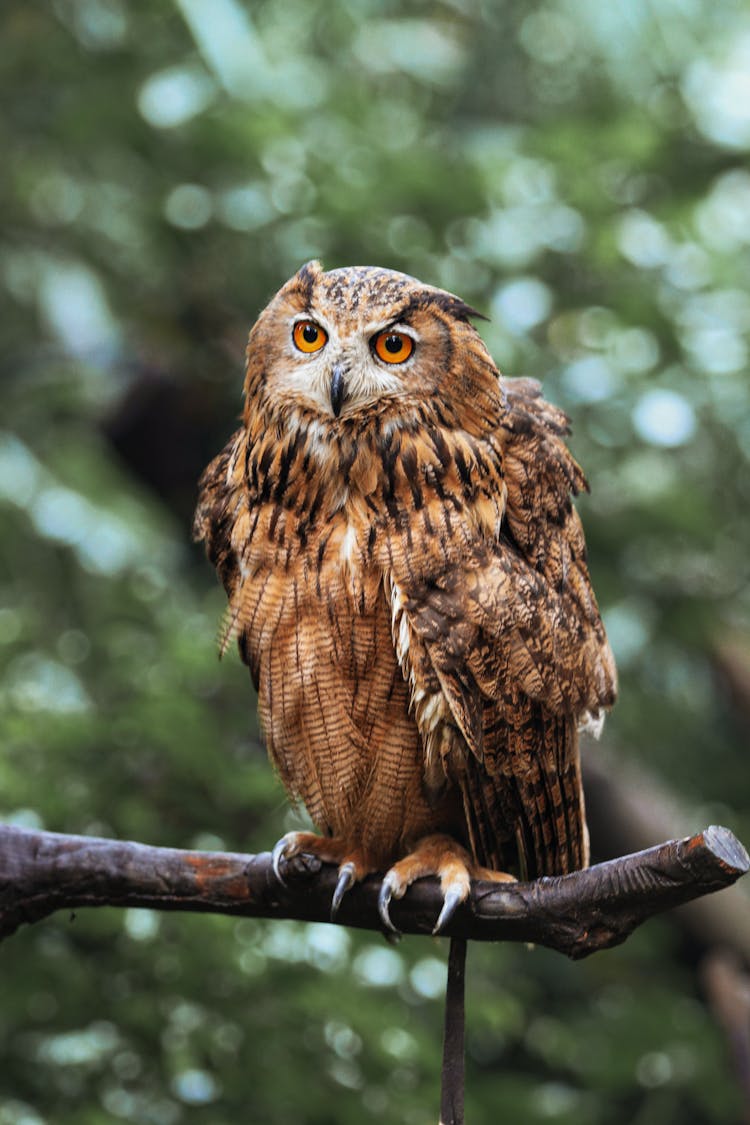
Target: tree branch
(577, 914)
(629, 808)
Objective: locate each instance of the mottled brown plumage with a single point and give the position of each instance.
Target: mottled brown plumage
(407, 581)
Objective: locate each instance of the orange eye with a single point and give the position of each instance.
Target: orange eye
(393, 347)
(309, 336)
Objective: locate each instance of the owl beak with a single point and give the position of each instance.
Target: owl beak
(338, 389)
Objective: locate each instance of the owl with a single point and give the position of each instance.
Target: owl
(407, 582)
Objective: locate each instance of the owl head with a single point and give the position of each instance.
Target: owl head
(338, 343)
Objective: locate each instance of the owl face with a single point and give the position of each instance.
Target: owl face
(337, 342)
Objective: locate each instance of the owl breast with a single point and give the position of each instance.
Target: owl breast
(314, 622)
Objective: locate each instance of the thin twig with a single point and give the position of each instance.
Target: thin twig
(577, 914)
(453, 1069)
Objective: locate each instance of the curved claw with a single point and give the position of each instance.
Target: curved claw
(279, 853)
(346, 880)
(384, 901)
(453, 899)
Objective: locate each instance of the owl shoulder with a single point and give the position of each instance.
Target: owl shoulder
(541, 474)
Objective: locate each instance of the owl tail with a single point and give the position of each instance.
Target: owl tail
(526, 813)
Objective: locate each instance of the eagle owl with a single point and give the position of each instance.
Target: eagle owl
(407, 582)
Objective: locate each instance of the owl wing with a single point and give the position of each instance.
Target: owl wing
(505, 620)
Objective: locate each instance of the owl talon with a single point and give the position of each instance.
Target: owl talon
(453, 898)
(345, 881)
(387, 888)
(283, 850)
(279, 853)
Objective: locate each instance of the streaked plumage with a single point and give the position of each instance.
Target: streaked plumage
(407, 581)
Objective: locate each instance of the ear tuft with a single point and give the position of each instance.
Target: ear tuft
(307, 275)
(453, 305)
(448, 302)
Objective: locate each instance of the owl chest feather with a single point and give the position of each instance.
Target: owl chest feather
(332, 698)
(324, 528)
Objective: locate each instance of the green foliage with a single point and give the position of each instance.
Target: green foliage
(578, 171)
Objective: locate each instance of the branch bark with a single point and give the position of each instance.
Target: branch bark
(577, 914)
(629, 808)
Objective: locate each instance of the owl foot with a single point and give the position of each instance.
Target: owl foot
(320, 849)
(435, 855)
(289, 847)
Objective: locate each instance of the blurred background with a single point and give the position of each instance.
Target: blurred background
(576, 170)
